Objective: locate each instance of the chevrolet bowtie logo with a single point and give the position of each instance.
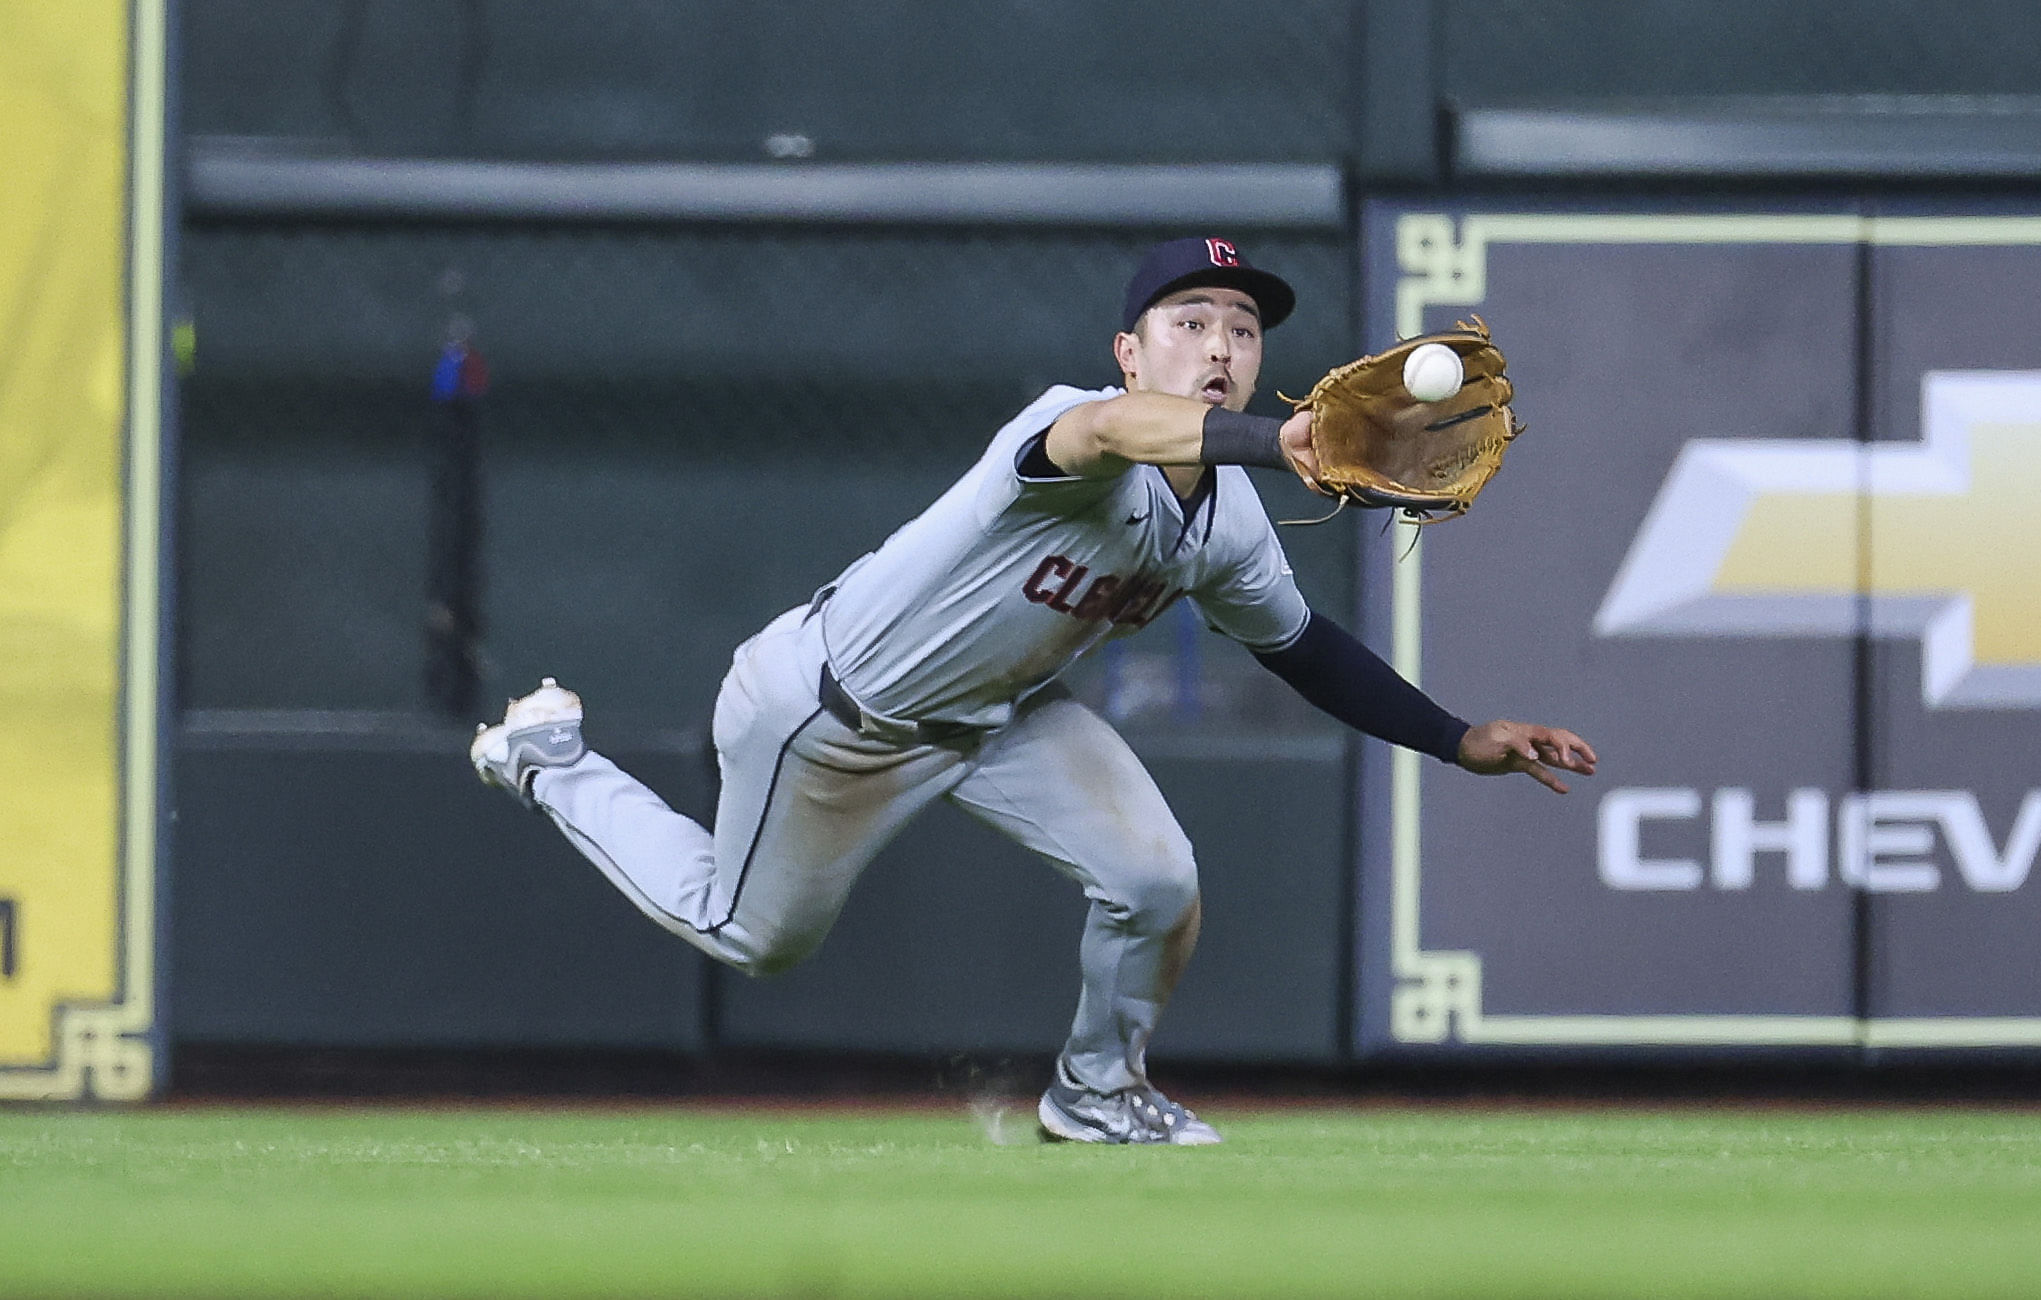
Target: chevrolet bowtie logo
(1938, 540)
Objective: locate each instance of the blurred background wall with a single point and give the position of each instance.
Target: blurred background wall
(718, 295)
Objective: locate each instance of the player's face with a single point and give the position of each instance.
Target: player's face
(1203, 343)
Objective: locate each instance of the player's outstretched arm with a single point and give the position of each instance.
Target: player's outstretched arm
(1502, 746)
(1100, 439)
(1328, 667)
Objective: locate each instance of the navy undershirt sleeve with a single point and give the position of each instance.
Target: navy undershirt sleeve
(1328, 667)
(1033, 461)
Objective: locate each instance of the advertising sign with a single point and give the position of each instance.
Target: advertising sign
(81, 224)
(1768, 543)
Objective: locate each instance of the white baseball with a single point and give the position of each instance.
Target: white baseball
(1432, 373)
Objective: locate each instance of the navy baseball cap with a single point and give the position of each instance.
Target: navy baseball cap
(1188, 263)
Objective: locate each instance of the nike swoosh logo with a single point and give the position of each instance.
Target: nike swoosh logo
(1135, 519)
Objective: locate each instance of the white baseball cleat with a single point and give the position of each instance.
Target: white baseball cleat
(542, 729)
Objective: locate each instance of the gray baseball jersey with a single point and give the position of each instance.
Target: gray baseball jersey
(1007, 579)
(961, 616)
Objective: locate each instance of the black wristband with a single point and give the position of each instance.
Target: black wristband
(1235, 438)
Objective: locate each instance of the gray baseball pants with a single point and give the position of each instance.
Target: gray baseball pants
(807, 802)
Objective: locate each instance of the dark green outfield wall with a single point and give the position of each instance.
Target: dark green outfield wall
(1055, 80)
(687, 431)
(691, 425)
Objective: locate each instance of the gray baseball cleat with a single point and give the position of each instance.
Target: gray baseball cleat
(1071, 1112)
(542, 729)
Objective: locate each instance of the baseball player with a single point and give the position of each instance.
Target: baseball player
(928, 670)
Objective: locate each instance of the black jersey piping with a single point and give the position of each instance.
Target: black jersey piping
(764, 811)
(1205, 496)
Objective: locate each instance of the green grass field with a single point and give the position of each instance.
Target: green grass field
(692, 1201)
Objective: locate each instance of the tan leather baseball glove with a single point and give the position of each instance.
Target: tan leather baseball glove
(1378, 446)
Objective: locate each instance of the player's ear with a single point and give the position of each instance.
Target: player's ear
(1126, 349)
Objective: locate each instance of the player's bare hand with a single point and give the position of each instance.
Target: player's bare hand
(1295, 437)
(1502, 746)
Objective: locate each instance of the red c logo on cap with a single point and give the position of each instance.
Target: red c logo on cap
(1223, 253)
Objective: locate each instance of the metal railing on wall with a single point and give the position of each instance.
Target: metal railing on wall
(227, 180)
(1752, 138)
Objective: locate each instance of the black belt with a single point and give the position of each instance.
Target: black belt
(837, 704)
